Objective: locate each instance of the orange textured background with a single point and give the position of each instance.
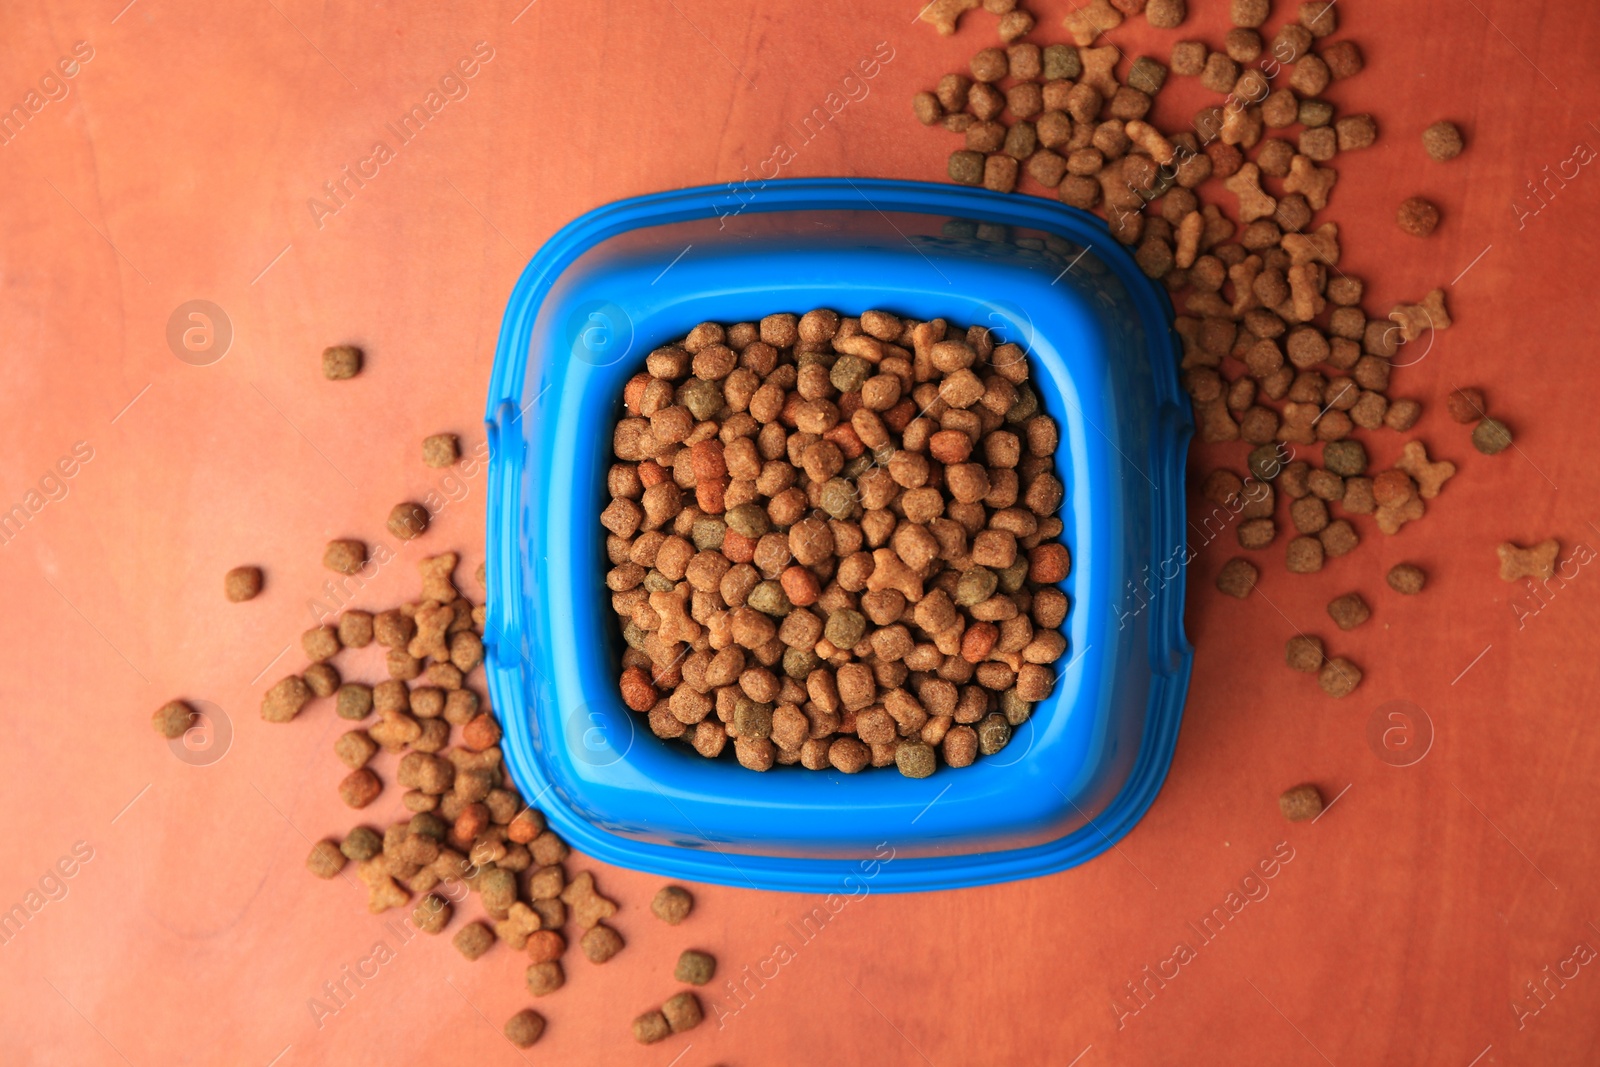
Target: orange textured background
(179, 167)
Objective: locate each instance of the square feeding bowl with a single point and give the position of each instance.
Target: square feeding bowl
(630, 276)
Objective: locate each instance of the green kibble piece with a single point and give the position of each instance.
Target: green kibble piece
(914, 759)
(845, 628)
(849, 372)
(1147, 76)
(993, 733)
(1491, 436)
(1014, 708)
(798, 663)
(707, 533)
(633, 636)
(769, 598)
(702, 398)
(695, 968)
(749, 520)
(976, 585)
(838, 498)
(1012, 577)
(1347, 458)
(354, 701)
(1314, 113)
(1061, 61)
(1025, 407)
(752, 719)
(1265, 462)
(361, 844)
(859, 466)
(656, 582)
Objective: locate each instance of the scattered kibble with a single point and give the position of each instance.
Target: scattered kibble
(651, 1027)
(344, 557)
(441, 450)
(172, 719)
(672, 904)
(1465, 406)
(1418, 217)
(600, 943)
(1304, 653)
(1442, 141)
(326, 859)
(1339, 677)
(1349, 611)
(241, 584)
(1538, 562)
(694, 967)
(1406, 579)
(340, 362)
(682, 1012)
(408, 521)
(1491, 436)
(1237, 577)
(524, 1028)
(1301, 803)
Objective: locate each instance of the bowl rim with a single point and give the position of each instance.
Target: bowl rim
(1173, 426)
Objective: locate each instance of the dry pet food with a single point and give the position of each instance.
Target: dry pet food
(344, 557)
(524, 1028)
(1349, 611)
(408, 521)
(695, 968)
(1304, 653)
(340, 362)
(1491, 436)
(1406, 579)
(672, 904)
(441, 450)
(1442, 141)
(651, 1027)
(241, 584)
(172, 719)
(682, 1012)
(1237, 577)
(1418, 217)
(1301, 803)
(1538, 562)
(827, 531)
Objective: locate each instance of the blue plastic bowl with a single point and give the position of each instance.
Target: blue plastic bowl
(627, 277)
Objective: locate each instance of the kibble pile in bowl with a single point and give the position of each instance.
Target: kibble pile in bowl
(834, 542)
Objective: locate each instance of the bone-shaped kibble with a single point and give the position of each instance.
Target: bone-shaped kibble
(1253, 202)
(1090, 21)
(1098, 67)
(433, 621)
(1319, 247)
(1392, 517)
(1299, 423)
(944, 14)
(889, 572)
(588, 906)
(1149, 138)
(1430, 477)
(517, 925)
(1416, 318)
(676, 625)
(1243, 276)
(1305, 291)
(1216, 422)
(1310, 181)
(1241, 126)
(436, 581)
(1537, 562)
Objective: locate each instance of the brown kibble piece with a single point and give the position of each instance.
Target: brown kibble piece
(340, 362)
(1538, 562)
(1339, 677)
(1418, 217)
(241, 584)
(672, 904)
(325, 859)
(545, 978)
(408, 521)
(588, 906)
(344, 557)
(285, 699)
(695, 968)
(360, 788)
(600, 943)
(171, 720)
(441, 450)
(682, 1012)
(652, 1026)
(524, 1028)
(1237, 577)
(1304, 653)
(1406, 579)
(1301, 803)
(1442, 141)
(1465, 406)
(1349, 611)
(473, 940)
